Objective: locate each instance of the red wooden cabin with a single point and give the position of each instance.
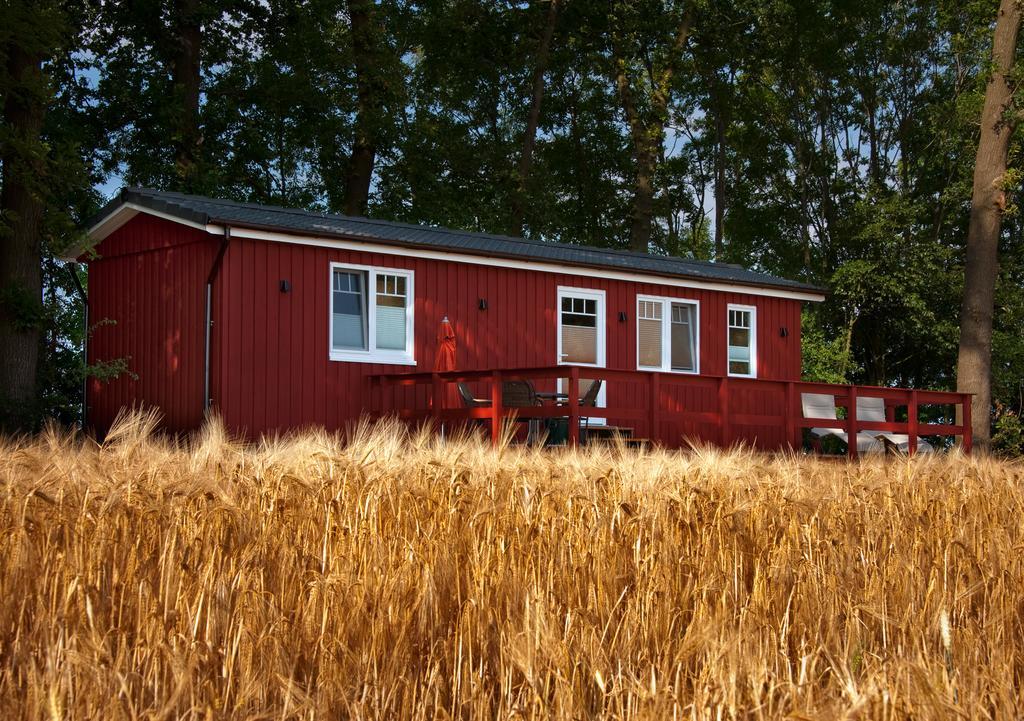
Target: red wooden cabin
(279, 318)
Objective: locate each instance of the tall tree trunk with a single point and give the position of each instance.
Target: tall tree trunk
(364, 142)
(974, 366)
(719, 180)
(186, 75)
(532, 119)
(647, 130)
(646, 140)
(21, 284)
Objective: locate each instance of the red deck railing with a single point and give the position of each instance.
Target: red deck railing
(653, 410)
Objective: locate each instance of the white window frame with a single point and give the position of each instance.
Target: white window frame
(372, 354)
(752, 309)
(600, 297)
(589, 294)
(666, 333)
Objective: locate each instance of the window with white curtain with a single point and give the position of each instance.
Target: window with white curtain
(667, 336)
(371, 315)
(742, 341)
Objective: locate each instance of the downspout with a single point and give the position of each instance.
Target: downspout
(214, 272)
(85, 340)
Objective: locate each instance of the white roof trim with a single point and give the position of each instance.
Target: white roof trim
(115, 220)
(124, 213)
(539, 266)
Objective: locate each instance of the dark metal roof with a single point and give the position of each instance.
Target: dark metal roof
(204, 211)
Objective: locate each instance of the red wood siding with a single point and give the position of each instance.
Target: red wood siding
(147, 305)
(271, 354)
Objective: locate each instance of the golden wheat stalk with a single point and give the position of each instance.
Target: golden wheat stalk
(389, 574)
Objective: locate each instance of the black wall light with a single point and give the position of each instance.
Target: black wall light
(482, 303)
(286, 286)
(783, 332)
(622, 316)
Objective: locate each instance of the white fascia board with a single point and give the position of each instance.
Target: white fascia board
(120, 217)
(124, 213)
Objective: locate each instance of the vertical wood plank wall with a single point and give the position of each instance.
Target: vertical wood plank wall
(272, 350)
(270, 355)
(147, 306)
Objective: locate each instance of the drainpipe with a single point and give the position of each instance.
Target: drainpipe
(85, 339)
(214, 272)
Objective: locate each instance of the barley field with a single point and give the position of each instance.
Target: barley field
(389, 576)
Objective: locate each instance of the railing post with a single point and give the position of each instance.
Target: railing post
(574, 406)
(912, 423)
(725, 427)
(851, 423)
(967, 438)
(653, 402)
(496, 409)
(789, 417)
(436, 396)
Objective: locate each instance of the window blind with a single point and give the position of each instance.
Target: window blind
(390, 327)
(579, 344)
(649, 343)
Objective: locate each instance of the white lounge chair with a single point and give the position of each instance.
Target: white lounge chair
(873, 410)
(823, 406)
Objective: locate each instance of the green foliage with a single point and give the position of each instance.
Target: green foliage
(1008, 439)
(845, 132)
(825, 359)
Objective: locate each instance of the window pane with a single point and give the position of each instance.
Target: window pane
(349, 311)
(649, 310)
(739, 318)
(740, 353)
(739, 337)
(649, 343)
(391, 325)
(390, 301)
(683, 338)
(579, 343)
(580, 321)
(739, 368)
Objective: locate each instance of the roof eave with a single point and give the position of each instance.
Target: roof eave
(351, 237)
(120, 210)
(130, 202)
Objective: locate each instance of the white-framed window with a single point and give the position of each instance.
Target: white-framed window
(371, 315)
(741, 340)
(667, 334)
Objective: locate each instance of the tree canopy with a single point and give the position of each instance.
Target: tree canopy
(831, 141)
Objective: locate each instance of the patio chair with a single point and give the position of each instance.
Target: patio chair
(589, 400)
(468, 400)
(873, 409)
(823, 406)
(522, 394)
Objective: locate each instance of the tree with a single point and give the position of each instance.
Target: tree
(369, 64)
(155, 62)
(186, 76)
(533, 117)
(645, 66)
(30, 36)
(988, 201)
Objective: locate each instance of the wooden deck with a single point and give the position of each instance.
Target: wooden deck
(672, 409)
